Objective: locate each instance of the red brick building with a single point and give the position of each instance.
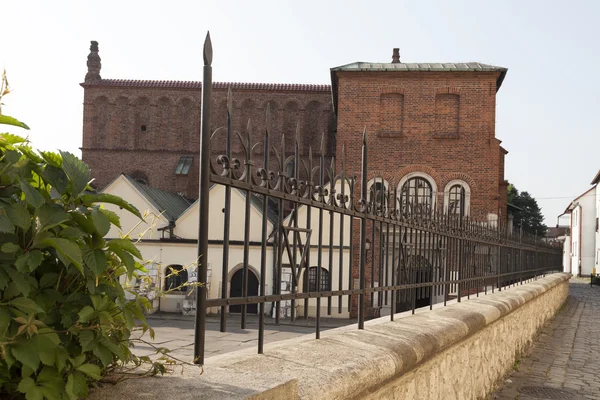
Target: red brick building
(150, 129)
(431, 128)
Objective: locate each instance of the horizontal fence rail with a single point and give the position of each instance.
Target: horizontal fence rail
(341, 243)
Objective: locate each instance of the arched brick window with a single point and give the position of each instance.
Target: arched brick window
(416, 196)
(378, 194)
(457, 198)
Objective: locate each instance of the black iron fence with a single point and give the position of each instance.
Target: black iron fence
(338, 244)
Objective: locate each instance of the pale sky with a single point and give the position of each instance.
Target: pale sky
(547, 108)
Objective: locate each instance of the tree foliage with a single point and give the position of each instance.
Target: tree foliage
(529, 214)
(64, 318)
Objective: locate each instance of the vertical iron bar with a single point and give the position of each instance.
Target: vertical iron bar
(310, 187)
(363, 236)
(320, 247)
(393, 294)
(247, 225)
(331, 201)
(204, 185)
(227, 217)
(342, 218)
(263, 246)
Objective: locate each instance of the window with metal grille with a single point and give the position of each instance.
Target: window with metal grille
(416, 196)
(175, 276)
(183, 167)
(311, 283)
(456, 201)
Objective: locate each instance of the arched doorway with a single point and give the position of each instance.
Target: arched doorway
(237, 281)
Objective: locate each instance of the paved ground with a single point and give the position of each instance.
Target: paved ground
(564, 362)
(176, 333)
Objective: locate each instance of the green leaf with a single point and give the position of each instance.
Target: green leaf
(76, 387)
(86, 314)
(95, 259)
(30, 153)
(19, 280)
(90, 199)
(9, 138)
(71, 232)
(4, 321)
(48, 279)
(29, 388)
(35, 259)
(26, 354)
(6, 225)
(26, 305)
(46, 341)
(126, 245)
(86, 339)
(50, 216)
(101, 222)
(52, 158)
(10, 248)
(32, 196)
(127, 259)
(6, 120)
(112, 216)
(19, 216)
(91, 370)
(56, 177)
(77, 171)
(68, 249)
(3, 279)
(104, 354)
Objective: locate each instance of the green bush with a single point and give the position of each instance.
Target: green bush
(64, 318)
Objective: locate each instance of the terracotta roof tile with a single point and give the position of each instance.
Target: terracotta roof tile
(216, 85)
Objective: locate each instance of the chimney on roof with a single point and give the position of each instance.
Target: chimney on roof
(93, 64)
(396, 56)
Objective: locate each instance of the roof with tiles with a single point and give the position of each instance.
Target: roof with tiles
(169, 204)
(434, 67)
(293, 87)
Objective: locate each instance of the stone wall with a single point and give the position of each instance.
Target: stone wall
(456, 352)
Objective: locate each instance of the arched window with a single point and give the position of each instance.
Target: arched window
(377, 195)
(456, 201)
(416, 196)
(310, 282)
(457, 197)
(175, 276)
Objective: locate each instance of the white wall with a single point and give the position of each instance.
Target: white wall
(588, 232)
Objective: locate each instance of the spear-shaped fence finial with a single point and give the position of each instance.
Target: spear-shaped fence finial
(208, 51)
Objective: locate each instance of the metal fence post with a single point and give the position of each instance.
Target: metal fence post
(204, 186)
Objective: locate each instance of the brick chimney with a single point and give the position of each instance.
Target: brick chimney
(396, 56)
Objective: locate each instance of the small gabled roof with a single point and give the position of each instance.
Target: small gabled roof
(574, 202)
(169, 204)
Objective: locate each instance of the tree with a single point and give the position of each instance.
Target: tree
(529, 214)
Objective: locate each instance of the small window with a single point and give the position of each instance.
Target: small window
(175, 276)
(143, 128)
(456, 201)
(290, 169)
(378, 195)
(183, 167)
(311, 282)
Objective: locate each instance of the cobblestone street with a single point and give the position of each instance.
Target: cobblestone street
(565, 359)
